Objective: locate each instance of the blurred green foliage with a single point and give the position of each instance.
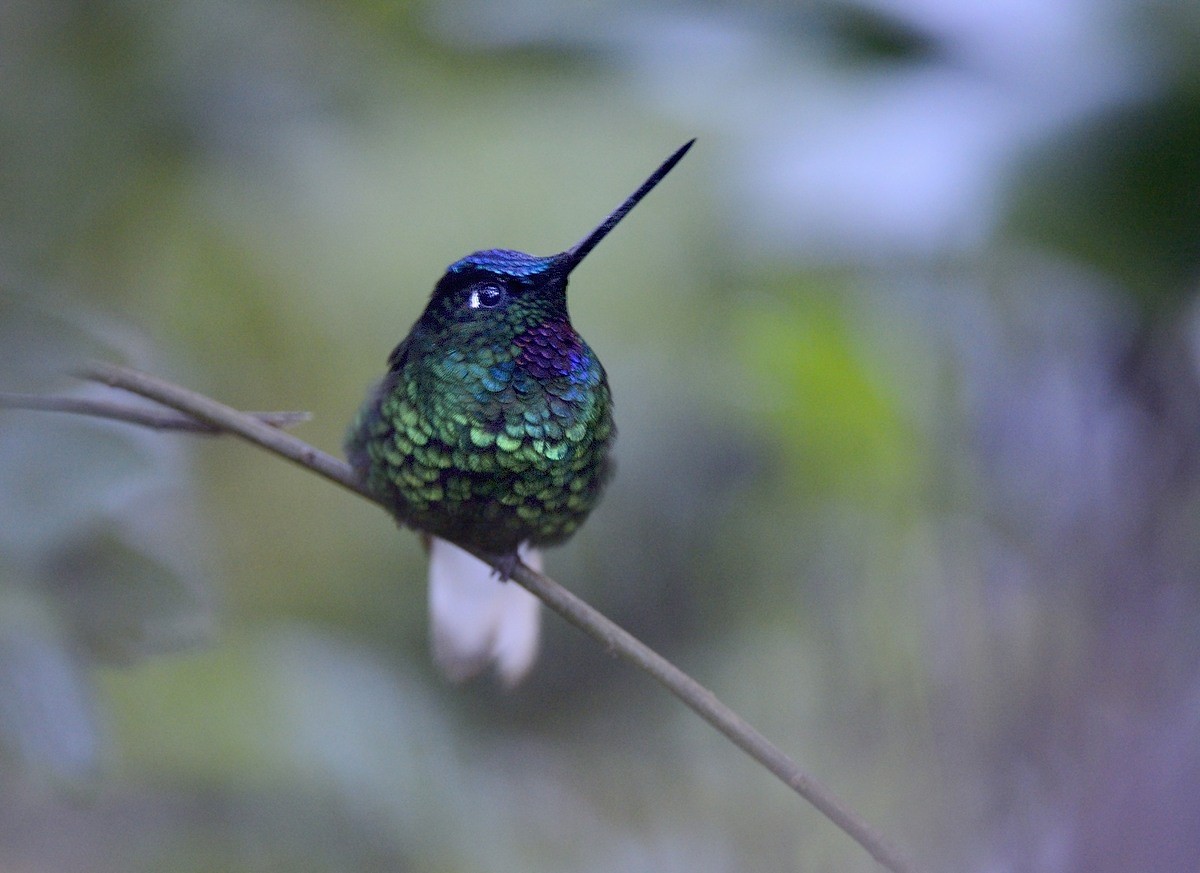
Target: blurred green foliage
(813, 380)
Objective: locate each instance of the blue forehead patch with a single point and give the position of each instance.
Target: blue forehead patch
(505, 261)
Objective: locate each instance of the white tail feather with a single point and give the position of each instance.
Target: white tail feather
(476, 619)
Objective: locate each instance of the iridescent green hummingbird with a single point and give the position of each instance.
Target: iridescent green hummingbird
(492, 428)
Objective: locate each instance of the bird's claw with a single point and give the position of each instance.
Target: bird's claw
(505, 565)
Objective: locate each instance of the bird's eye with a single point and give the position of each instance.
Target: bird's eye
(485, 296)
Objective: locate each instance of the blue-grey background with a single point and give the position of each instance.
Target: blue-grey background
(905, 360)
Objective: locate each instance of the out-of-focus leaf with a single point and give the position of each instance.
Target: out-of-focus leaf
(831, 408)
(48, 723)
(1123, 194)
(99, 555)
(98, 513)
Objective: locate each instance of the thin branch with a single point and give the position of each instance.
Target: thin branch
(702, 701)
(226, 418)
(157, 419)
(705, 704)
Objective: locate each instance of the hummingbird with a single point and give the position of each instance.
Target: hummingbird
(492, 428)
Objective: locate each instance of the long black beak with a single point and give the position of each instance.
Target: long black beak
(580, 250)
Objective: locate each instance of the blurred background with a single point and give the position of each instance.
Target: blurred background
(905, 361)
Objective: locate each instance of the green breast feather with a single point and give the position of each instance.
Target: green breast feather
(500, 446)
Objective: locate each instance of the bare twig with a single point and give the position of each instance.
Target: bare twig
(223, 418)
(705, 704)
(227, 419)
(158, 419)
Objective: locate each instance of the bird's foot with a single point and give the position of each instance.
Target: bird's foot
(506, 565)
